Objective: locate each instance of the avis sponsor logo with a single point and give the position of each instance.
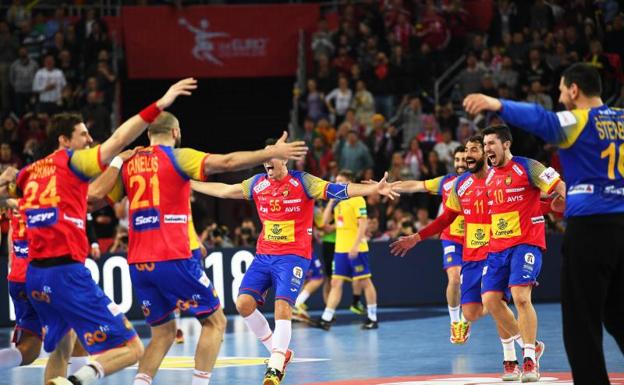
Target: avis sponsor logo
(295, 209)
(146, 219)
(41, 217)
(261, 186)
(515, 198)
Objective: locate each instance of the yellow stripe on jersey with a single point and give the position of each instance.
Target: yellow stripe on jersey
(315, 187)
(433, 185)
(118, 191)
(246, 187)
(87, 162)
(572, 122)
(346, 215)
(542, 177)
(191, 162)
(452, 202)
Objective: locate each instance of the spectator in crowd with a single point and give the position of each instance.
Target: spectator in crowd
(120, 243)
(8, 53)
(9, 131)
(469, 80)
(321, 41)
(325, 75)
(48, 84)
(465, 130)
(542, 17)
(343, 62)
(398, 170)
(434, 167)
(69, 69)
(309, 131)
(430, 135)
(326, 131)
(536, 95)
(487, 86)
(422, 218)
(318, 158)
(363, 104)
(536, 70)
(56, 24)
(447, 120)
(446, 148)
(597, 59)
(32, 39)
(96, 117)
(17, 14)
(339, 100)
(506, 75)
(409, 118)
(21, 77)
(381, 86)
(8, 158)
(354, 154)
(414, 159)
(518, 49)
(311, 103)
(380, 146)
(615, 36)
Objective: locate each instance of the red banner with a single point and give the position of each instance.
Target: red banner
(215, 41)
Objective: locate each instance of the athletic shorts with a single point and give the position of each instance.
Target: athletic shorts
(452, 254)
(519, 265)
(285, 273)
(26, 318)
(66, 297)
(315, 272)
(351, 269)
(471, 279)
(162, 287)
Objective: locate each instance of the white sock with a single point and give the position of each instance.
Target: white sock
(303, 296)
(281, 340)
(201, 378)
(529, 351)
(518, 339)
(10, 358)
(90, 373)
(328, 314)
(260, 327)
(75, 363)
(372, 312)
(177, 314)
(454, 313)
(509, 349)
(142, 379)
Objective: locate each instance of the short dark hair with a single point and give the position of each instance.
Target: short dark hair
(348, 174)
(476, 138)
(586, 78)
(501, 131)
(60, 125)
(459, 149)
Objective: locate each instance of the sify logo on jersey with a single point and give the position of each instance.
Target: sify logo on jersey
(146, 219)
(41, 217)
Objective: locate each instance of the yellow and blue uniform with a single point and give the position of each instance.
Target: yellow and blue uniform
(64, 295)
(591, 143)
(452, 238)
(165, 273)
(346, 216)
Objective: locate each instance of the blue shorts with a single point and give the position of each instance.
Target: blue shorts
(452, 254)
(66, 297)
(519, 265)
(162, 287)
(470, 281)
(351, 269)
(315, 272)
(196, 254)
(26, 318)
(285, 273)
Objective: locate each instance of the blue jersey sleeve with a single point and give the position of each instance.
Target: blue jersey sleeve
(561, 128)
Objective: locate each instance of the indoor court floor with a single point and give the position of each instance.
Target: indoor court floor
(411, 347)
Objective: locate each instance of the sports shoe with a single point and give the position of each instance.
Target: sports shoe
(511, 371)
(288, 357)
(321, 324)
(59, 381)
(272, 377)
(529, 371)
(358, 308)
(299, 313)
(460, 332)
(179, 338)
(370, 324)
(539, 351)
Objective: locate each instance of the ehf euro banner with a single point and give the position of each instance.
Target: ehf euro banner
(215, 41)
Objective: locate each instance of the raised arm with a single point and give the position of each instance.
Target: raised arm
(246, 159)
(404, 244)
(557, 128)
(219, 190)
(328, 211)
(382, 187)
(133, 127)
(411, 186)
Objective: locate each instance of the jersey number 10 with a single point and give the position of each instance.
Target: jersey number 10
(610, 152)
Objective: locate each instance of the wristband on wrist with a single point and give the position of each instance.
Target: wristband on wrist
(150, 113)
(95, 245)
(117, 162)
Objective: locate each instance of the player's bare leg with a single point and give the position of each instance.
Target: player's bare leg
(452, 288)
(25, 352)
(59, 358)
(79, 358)
(300, 310)
(459, 328)
(370, 293)
(527, 320)
(356, 305)
(208, 346)
(335, 295)
(163, 337)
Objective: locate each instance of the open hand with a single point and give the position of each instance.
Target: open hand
(183, 87)
(293, 150)
(388, 189)
(401, 246)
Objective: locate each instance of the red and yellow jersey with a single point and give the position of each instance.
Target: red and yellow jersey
(157, 183)
(442, 186)
(514, 195)
(346, 216)
(54, 202)
(286, 210)
(469, 196)
(19, 250)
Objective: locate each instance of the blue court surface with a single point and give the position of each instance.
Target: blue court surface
(412, 344)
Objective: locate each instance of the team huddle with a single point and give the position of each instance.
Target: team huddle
(492, 225)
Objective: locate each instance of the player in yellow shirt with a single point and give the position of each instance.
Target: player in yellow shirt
(351, 256)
